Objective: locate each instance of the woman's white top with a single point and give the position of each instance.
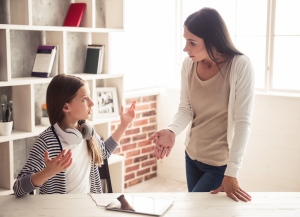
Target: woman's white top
(240, 107)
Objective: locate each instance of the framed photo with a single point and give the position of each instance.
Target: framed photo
(106, 102)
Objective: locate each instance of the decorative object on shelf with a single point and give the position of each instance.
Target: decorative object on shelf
(6, 128)
(106, 102)
(7, 108)
(94, 59)
(45, 119)
(75, 14)
(44, 61)
(6, 124)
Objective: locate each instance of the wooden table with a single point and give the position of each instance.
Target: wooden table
(283, 204)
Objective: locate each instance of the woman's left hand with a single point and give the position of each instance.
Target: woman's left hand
(231, 187)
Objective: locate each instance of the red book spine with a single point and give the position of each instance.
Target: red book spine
(75, 14)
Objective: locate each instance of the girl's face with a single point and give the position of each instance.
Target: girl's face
(194, 46)
(80, 108)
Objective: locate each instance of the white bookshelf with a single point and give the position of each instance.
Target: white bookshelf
(32, 25)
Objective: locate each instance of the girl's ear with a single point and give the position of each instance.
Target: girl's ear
(66, 108)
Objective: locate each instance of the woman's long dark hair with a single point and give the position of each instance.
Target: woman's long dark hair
(208, 24)
(62, 89)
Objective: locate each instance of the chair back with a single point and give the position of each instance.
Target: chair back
(105, 176)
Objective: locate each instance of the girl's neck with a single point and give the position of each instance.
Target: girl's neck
(64, 125)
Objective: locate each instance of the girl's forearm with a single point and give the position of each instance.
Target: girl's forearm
(117, 135)
(40, 178)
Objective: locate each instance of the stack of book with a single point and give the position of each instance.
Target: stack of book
(45, 61)
(94, 59)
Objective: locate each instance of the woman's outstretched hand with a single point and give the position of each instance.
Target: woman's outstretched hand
(231, 187)
(165, 140)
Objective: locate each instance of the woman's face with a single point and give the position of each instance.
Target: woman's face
(194, 46)
(80, 108)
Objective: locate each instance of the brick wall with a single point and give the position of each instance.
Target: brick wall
(140, 165)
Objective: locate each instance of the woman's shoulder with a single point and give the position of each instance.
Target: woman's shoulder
(187, 65)
(241, 60)
(241, 65)
(187, 61)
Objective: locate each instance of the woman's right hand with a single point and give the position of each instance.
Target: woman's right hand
(165, 140)
(53, 166)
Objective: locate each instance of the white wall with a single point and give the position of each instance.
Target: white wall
(172, 167)
(273, 155)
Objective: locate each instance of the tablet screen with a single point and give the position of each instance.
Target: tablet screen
(139, 204)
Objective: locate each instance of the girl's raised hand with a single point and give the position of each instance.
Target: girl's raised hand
(129, 115)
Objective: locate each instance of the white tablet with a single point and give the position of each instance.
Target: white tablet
(141, 205)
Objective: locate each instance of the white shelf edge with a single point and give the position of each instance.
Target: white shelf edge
(58, 28)
(37, 80)
(98, 76)
(24, 81)
(17, 134)
(104, 120)
(115, 158)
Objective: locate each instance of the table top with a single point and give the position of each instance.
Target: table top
(185, 204)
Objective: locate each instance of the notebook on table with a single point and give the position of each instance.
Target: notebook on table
(140, 205)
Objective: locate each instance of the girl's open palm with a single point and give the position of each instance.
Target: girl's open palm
(59, 163)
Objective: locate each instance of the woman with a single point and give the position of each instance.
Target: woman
(66, 156)
(216, 99)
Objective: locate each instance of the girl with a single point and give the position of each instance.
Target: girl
(66, 156)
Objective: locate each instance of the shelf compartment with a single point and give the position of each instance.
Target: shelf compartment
(103, 130)
(49, 12)
(98, 13)
(113, 82)
(21, 150)
(110, 13)
(75, 52)
(19, 13)
(39, 99)
(108, 82)
(23, 49)
(4, 58)
(23, 109)
(6, 164)
(98, 38)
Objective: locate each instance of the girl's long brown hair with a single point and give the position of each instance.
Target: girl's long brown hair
(62, 89)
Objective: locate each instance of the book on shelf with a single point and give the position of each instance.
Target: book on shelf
(74, 14)
(46, 61)
(94, 59)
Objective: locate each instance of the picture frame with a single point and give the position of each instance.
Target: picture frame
(106, 103)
